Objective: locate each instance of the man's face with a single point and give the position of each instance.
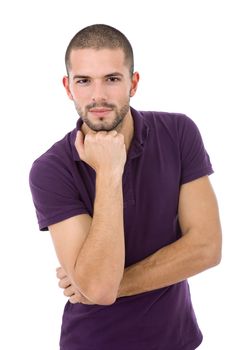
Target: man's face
(100, 85)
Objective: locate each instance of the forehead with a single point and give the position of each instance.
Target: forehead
(97, 61)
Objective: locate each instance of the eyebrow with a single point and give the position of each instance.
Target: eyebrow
(77, 76)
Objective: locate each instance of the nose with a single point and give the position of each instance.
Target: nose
(99, 92)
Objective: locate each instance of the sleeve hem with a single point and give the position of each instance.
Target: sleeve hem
(196, 175)
(43, 224)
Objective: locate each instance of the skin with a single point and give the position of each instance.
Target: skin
(103, 144)
(100, 86)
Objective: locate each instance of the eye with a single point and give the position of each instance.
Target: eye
(82, 81)
(113, 79)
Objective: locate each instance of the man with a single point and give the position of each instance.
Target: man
(131, 211)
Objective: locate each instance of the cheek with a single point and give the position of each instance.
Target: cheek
(79, 95)
(123, 93)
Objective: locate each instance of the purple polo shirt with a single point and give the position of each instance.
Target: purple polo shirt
(166, 151)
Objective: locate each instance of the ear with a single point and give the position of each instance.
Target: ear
(65, 82)
(134, 83)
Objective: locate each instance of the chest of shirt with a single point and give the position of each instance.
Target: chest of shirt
(150, 192)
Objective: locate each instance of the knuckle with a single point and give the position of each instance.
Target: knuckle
(73, 299)
(100, 135)
(88, 137)
(61, 284)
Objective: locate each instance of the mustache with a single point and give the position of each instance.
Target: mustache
(99, 105)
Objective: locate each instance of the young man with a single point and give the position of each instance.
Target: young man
(131, 211)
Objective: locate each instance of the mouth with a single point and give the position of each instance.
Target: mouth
(100, 111)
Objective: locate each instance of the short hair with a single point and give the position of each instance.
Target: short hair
(100, 36)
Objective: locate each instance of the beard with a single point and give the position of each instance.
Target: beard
(104, 125)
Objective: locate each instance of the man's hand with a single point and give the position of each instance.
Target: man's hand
(69, 291)
(103, 151)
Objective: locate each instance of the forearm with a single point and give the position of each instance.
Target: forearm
(169, 265)
(100, 264)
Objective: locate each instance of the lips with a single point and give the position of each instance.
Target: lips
(100, 110)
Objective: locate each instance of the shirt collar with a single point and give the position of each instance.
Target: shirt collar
(141, 131)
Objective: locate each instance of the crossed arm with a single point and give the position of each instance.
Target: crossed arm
(198, 249)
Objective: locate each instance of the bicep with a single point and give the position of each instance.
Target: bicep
(68, 237)
(198, 211)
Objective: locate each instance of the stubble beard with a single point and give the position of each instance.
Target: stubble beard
(103, 125)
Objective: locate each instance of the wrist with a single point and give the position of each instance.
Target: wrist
(109, 177)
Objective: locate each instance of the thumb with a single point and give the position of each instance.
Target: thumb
(79, 144)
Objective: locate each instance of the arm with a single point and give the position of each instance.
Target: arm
(91, 251)
(198, 249)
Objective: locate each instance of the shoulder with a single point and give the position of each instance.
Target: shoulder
(166, 119)
(170, 125)
(56, 160)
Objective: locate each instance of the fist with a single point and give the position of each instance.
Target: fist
(103, 151)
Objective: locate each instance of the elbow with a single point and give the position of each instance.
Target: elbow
(216, 257)
(98, 292)
(213, 254)
(101, 295)
(101, 290)
(104, 293)
(106, 299)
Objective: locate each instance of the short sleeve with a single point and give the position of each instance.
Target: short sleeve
(195, 161)
(54, 194)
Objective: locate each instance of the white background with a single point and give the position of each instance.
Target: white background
(183, 51)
